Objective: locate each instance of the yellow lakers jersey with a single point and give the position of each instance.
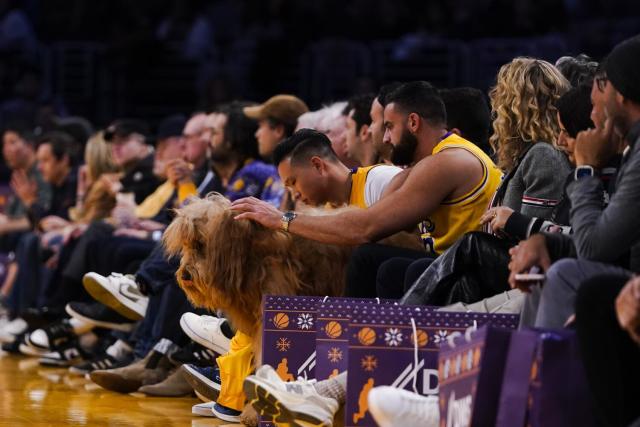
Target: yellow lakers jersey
(358, 181)
(455, 217)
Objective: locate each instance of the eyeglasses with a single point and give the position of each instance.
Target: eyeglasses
(601, 82)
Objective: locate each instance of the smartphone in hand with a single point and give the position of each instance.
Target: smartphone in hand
(534, 275)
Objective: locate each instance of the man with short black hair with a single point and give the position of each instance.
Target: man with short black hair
(18, 149)
(376, 127)
(358, 138)
(57, 156)
(310, 168)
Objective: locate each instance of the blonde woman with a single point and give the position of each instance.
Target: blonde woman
(525, 128)
(94, 200)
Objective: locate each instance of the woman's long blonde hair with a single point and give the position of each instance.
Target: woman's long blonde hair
(523, 107)
(97, 157)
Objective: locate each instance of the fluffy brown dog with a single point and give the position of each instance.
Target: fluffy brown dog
(229, 265)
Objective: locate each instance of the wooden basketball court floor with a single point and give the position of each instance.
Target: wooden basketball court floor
(32, 395)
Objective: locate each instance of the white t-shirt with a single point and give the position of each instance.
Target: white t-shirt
(377, 180)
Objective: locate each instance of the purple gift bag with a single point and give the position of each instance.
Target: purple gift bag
(470, 375)
(544, 382)
(289, 336)
(332, 339)
(398, 346)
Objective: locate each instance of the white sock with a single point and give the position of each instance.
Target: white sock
(335, 387)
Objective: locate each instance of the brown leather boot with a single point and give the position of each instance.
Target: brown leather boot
(174, 386)
(154, 368)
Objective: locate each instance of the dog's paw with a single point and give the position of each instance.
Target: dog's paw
(249, 416)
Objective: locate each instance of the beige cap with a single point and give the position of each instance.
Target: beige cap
(283, 108)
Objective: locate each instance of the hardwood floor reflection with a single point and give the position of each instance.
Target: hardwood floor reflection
(31, 395)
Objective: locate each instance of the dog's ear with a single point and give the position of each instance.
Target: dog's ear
(229, 249)
(183, 229)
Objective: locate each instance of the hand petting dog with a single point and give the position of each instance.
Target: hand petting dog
(258, 211)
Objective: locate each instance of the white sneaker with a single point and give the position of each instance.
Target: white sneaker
(297, 403)
(203, 409)
(118, 291)
(205, 330)
(391, 407)
(11, 329)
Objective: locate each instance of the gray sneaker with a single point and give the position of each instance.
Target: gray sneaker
(297, 403)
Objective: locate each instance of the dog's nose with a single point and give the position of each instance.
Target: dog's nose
(186, 276)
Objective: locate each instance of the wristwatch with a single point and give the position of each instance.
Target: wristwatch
(286, 219)
(582, 171)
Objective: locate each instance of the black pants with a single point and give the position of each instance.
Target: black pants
(364, 263)
(167, 302)
(118, 254)
(397, 271)
(66, 282)
(611, 357)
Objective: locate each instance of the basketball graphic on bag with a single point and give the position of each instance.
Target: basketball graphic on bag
(366, 336)
(281, 320)
(423, 338)
(333, 329)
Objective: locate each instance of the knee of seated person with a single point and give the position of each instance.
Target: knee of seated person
(560, 268)
(390, 278)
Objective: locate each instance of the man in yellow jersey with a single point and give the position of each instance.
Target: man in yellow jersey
(446, 188)
(311, 170)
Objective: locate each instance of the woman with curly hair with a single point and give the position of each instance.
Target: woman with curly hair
(525, 127)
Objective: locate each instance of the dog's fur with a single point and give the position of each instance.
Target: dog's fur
(229, 265)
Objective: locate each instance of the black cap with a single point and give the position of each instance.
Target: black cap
(125, 127)
(622, 66)
(171, 126)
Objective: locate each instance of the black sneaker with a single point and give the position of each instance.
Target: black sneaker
(51, 337)
(99, 315)
(103, 361)
(193, 354)
(66, 354)
(38, 318)
(14, 346)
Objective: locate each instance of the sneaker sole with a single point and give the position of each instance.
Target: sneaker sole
(200, 339)
(45, 361)
(265, 402)
(28, 350)
(106, 297)
(124, 327)
(201, 384)
(114, 382)
(202, 411)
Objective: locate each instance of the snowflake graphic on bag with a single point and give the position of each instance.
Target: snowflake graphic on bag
(335, 355)
(440, 337)
(393, 337)
(305, 321)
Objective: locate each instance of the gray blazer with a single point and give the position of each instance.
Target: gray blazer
(538, 183)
